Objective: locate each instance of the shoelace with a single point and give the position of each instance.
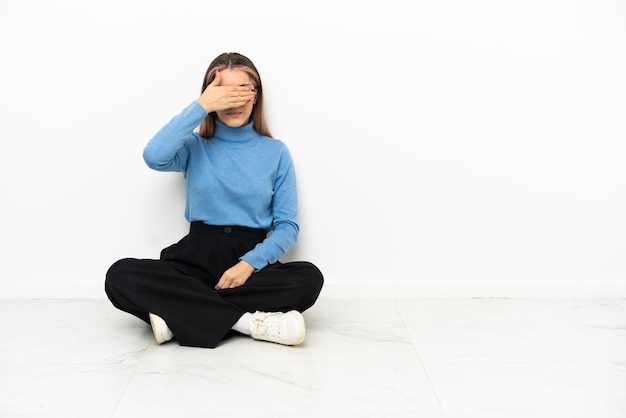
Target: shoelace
(267, 325)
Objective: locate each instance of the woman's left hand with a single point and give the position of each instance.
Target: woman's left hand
(235, 276)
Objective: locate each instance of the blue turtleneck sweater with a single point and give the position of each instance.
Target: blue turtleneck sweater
(237, 177)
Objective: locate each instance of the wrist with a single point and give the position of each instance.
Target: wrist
(206, 107)
(247, 266)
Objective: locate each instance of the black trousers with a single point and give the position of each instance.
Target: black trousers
(180, 286)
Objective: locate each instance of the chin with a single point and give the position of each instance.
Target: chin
(234, 122)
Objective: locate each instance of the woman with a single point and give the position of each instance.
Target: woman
(242, 207)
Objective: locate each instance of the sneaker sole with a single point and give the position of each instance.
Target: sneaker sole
(157, 329)
(298, 316)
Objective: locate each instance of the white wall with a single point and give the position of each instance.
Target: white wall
(443, 148)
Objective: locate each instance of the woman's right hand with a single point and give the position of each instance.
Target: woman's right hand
(216, 97)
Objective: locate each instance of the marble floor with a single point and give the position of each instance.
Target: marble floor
(363, 358)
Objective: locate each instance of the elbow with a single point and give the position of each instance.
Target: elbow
(151, 160)
(291, 228)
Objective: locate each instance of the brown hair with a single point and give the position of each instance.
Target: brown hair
(230, 60)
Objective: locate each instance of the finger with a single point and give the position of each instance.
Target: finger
(238, 91)
(216, 81)
(242, 96)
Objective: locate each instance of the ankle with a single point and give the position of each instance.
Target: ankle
(244, 324)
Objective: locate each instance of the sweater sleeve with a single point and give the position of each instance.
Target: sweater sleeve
(285, 227)
(168, 149)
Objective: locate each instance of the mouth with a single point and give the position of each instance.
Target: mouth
(234, 114)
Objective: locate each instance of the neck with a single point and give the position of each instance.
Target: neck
(241, 134)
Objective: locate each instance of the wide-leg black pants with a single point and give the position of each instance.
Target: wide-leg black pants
(180, 286)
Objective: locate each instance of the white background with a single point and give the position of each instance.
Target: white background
(442, 148)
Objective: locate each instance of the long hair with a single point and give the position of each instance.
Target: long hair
(231, 60)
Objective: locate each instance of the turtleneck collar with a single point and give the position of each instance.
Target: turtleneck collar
(239, 135)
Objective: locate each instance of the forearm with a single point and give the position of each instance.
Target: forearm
(274, 246)
(166, 150)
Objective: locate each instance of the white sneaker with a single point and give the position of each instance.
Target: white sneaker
(278, 327)
(160, 329)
